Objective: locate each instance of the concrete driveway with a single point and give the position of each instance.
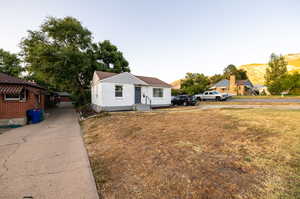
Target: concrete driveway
(46, 160)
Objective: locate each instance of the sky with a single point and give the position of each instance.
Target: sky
(168, 38)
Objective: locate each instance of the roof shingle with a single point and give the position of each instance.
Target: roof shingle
(153, 81)
(7, 79)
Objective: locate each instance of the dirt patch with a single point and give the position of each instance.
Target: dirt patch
(197, 154)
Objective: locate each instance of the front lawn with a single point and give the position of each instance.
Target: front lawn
(196, 154)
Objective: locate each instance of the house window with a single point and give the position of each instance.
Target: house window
(16, 97)
(11, 97)
(118, 91)
(158, 92)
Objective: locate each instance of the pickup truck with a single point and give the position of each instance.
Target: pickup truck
(212, 95)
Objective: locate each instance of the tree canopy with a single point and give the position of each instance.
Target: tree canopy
(62, 54)
(195, 83)
(276, 74)
(10, 63)
(231, 69)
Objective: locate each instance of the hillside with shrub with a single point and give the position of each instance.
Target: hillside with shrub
(256, 72)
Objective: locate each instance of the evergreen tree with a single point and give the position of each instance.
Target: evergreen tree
(275, 72)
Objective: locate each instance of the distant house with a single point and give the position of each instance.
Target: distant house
(125, 91)
(64, 96)
(16, 97)
(233, 86)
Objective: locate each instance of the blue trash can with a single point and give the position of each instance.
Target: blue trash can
(36, 116)
(29, 114)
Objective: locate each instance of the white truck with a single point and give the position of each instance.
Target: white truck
(212, 95)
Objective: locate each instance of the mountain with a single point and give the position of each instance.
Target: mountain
(256, 72)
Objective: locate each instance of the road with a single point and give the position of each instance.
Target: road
(46, 160)
(232, 106)
(289, 100)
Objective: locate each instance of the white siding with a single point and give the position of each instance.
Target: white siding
(148, 91)
(108, 95)
(96, 94)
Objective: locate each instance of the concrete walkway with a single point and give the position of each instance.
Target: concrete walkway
(46, 160)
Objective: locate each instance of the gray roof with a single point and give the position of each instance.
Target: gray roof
(245, 83)
(222, 83)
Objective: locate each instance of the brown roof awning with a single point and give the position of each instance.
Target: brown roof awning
(10, 89)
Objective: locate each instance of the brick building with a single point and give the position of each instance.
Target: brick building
(16, 97)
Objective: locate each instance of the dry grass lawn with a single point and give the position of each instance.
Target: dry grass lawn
(215, 154)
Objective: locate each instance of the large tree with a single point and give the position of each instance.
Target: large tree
(231, 69)
(275, 73)
(62, 54)
(107, 57)
(194, 83)
(10, 63)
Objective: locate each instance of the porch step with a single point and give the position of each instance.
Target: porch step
(141, 107)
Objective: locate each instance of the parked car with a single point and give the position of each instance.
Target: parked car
(212, 95)
(184, 100)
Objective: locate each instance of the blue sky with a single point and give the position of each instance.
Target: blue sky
(167, 38)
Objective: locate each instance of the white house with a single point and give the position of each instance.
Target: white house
(124, 91)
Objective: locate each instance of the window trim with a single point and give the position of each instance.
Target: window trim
(11, 99)
(20, 99)
(38, 98)
(162, 93)
(118, 97)
(24, 99)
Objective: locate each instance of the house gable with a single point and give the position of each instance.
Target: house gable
(224, 83)
(124, 78)
(95, 79)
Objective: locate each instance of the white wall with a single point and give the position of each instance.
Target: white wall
(166, 99)
(96, 94)
(106, 95)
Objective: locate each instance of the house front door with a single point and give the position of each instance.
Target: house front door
(138, 95)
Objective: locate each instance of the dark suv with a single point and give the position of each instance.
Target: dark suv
(184, 100)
